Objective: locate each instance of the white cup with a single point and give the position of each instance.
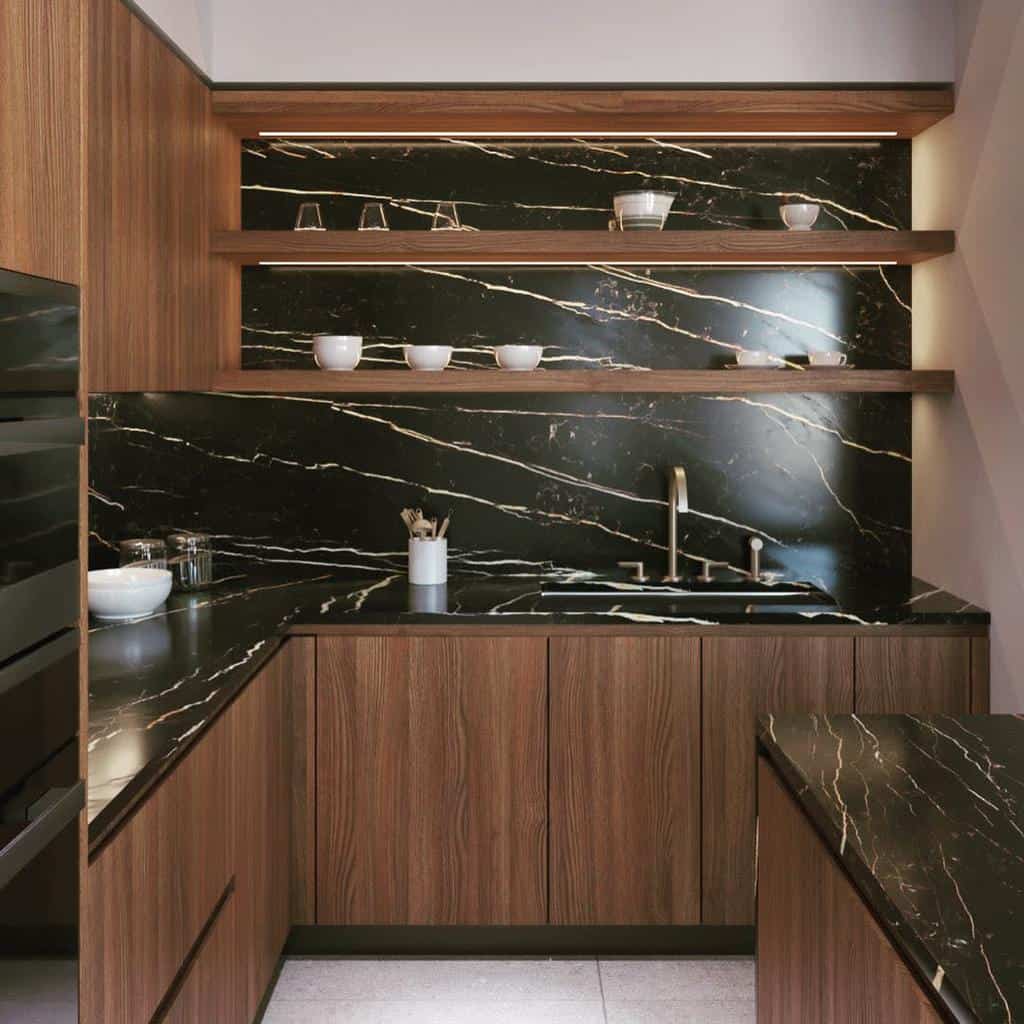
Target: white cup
(826, 358)
(758, 357)
(518, 357)
(428, 357)
(337, 351)
(428, 560)
(799, 216)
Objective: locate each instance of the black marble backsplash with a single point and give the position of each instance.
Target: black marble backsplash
(537, 483)
(545, 184)
(542, 483)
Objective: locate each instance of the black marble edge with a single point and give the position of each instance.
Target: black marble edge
(952, 1006)
(113, 815)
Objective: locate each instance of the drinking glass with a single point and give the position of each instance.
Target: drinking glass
(143, 553)
(446, 218)
(308, 218)
(372, 218)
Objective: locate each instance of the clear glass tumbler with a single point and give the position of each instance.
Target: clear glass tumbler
(309, 218)
(373, 218)
(143, 553)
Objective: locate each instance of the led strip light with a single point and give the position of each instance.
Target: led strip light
(709, 133)
(577, 263)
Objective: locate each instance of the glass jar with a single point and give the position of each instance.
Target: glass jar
(191, 560)
(143, 553)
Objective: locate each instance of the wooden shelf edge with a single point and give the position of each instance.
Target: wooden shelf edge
(586, 381)
(554, 247)
(906, 111)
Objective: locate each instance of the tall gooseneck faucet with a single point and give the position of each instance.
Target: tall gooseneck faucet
(678, 501)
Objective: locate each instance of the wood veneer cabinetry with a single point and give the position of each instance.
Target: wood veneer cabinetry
(431, 780)
(625, 780)
(742, 679)
(40, 137)
(925, 675)
(820, 954)
(151, 151)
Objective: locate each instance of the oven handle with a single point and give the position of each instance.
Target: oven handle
(36, 661)
(37, 835)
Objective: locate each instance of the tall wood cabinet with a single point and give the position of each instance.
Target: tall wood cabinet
(745, 677)
(432, 780)
(625, 780)
(40, 138)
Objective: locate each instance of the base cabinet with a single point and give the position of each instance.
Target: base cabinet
(743, 678)
(820, 954)
(625, 780)
(431, 780)
(162, 941)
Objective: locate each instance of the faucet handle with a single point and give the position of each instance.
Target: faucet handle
(638, 571)
(706, 567)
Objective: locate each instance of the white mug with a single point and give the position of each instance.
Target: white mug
(758, 357)
(826, 358)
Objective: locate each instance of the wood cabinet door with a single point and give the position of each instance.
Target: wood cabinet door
(744, 677)
(923, 675)
(625, 780)
(152, 889)
(261, 825)
(431, 780)
(40, 137)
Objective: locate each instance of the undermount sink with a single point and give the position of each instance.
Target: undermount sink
(692, 591)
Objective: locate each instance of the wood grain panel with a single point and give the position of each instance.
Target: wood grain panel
(40, 138)
(625, 781)
(147, 216)
(820, 954)
(153, 887)
(574, 111)
(639, 381)
(298, 670)
(431, 781)
(926, 675)
(210, 991)
(980, 676)
(482, 247)
(742, 679)
(261, 825)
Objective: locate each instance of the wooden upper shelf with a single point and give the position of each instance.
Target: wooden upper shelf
(707, 112)
(590, 381)
(503, 247)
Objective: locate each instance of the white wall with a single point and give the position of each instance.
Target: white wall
(187, 22)
(580, 41)
(968, 315)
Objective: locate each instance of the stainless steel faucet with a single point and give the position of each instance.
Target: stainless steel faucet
(678, 501)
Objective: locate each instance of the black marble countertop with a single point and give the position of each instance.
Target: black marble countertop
(927, 815)
(156, 683)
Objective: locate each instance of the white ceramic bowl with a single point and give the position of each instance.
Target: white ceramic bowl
(518, 357)
(642, 210)
(799, 216)
(428, 357)
(758, 357)
(337, 351)
(127, 593)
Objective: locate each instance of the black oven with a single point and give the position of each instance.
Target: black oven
(41, 792)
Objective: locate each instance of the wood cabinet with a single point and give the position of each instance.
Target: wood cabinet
(152, 889)
(625, 780)
(261, 825)
(820, 954)
(40, 138)
(150, 148)
(431, 780)
(744, 677)
(160, 933)
(923, 675)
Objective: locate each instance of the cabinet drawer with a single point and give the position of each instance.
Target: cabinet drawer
(153, 887)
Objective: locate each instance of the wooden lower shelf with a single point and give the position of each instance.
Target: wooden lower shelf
(587, 381)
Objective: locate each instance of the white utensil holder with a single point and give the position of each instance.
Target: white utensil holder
(428, 560)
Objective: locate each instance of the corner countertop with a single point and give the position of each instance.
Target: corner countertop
(155, 684)
(927, 816)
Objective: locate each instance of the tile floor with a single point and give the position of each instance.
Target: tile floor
(681, 990)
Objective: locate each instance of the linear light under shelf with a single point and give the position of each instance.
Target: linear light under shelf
(709, 133)
(577, 263)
